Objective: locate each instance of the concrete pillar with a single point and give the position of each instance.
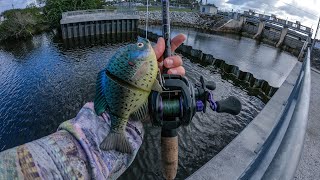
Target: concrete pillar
(97, 27)
(118, 22)
(282, 36)
(75, 30)
(103, 27)
(92, 27)
(81, 30)
(242, 20)
(69, 30)
(64, 31)
(108, 30)
(123, 26)
(87, 28)
(260, 29)
(114, 27)
(132, 25)
(128, 25)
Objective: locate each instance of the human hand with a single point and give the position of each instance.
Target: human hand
(173, 63)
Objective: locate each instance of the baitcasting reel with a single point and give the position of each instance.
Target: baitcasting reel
(180, 100)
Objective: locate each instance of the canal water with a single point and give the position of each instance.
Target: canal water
(43, 83)
(263, 61)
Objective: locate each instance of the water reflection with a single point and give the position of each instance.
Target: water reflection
(99, 40)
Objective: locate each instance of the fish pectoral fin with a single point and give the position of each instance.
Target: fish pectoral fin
(141, 72)
(116, 141)
(156, 86)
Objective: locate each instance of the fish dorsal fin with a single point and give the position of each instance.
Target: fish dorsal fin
(156, 86)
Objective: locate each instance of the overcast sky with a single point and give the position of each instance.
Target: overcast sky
(305, 11)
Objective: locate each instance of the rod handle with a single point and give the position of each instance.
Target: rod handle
(169, 156)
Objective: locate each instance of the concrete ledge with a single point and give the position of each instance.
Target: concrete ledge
(234, 159)
(96, 17)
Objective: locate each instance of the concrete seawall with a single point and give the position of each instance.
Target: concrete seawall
(85, 23)
(259, 87)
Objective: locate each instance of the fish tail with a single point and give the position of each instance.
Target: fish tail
(100, 102)
(116, 141)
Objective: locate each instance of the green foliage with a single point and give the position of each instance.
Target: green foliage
(21, 23)
(54, 8)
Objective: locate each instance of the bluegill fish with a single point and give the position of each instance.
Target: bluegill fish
(123, 87)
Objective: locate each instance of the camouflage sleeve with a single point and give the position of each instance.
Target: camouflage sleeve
(72, 152)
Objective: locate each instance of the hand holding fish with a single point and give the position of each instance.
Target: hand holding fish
(124, 85)
(173, 63)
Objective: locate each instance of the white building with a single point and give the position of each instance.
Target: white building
(209, 9)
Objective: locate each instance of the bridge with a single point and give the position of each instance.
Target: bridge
(83, 23)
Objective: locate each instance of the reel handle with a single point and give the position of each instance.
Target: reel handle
(231, 105)
(169, 156)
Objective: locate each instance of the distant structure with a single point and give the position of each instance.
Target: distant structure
(209, 9)
(84, 23)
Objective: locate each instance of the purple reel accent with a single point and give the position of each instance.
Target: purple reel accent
(199, 106)
(213, 104)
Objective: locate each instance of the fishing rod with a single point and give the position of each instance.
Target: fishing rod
(178, 102)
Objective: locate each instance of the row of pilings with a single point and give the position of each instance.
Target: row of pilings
(257, 87)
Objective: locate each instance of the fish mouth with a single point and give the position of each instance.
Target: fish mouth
(122, 82)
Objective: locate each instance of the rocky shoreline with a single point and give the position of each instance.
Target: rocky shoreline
(184, 19)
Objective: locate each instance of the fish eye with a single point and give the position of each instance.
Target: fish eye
(140, 45)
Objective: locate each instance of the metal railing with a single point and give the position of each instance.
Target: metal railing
(280, 154)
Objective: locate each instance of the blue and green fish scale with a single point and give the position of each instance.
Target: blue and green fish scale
(123, 87)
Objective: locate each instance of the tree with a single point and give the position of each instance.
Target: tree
(20, 23)
(53, 9)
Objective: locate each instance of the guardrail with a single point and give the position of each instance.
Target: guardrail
(280, 154)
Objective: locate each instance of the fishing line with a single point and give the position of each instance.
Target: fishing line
(171, 108)
(147, 20)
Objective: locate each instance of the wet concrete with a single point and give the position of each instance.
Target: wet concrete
(309, 166)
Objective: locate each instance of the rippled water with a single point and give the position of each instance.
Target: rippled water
(44, 84)
(263, 61)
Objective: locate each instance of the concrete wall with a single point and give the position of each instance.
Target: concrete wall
(91, 28)
(273, 37)
(292, 42)
(251, 29)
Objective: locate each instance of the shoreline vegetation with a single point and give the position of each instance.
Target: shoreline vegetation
(25, 23)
